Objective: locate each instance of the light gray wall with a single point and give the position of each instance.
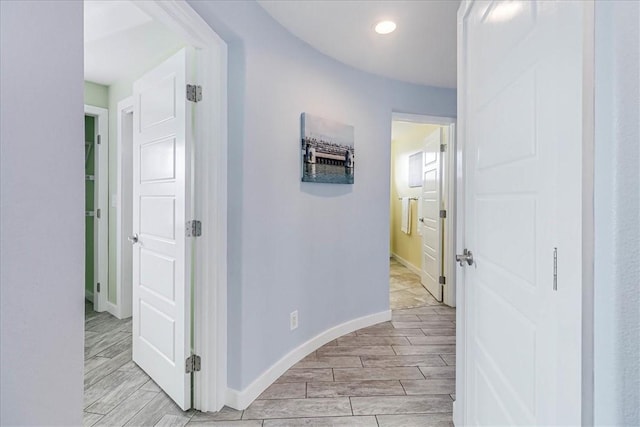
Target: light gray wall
(317, 248)
(42, 213)
(617, 214)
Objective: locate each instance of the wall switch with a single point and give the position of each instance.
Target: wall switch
(293, 320)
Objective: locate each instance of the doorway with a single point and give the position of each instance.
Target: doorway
(96, 212)
(420, 211)
(151, 95)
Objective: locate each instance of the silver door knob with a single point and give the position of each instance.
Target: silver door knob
(421, 220)
(133, 239)
(467, 256)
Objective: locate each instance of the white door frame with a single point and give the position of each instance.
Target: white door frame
(124, 220)
(101, 179)
(449, 193)
(210, 194)
(459, 405)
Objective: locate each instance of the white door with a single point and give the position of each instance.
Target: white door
(430, 221)
(521, 109)
(161, 208)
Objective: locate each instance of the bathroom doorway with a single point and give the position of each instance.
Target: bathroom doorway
(421, 209)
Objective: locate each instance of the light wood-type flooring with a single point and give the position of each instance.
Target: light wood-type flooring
(406, 291)
(398, 373)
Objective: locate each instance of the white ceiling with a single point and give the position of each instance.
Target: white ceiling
(422, 49)
(120, 41)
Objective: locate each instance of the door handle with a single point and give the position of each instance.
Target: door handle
(133, 239)
(467, 256)
(421, 220)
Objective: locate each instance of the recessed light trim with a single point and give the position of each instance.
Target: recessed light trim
(385, 27)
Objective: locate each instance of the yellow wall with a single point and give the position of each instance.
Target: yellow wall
(407, 140)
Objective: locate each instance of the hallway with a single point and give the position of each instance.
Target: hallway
(398, 373)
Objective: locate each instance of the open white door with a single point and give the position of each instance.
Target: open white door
(430, 221)
(161, 209)
(521, 114)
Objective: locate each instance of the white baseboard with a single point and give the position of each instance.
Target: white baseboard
(113, 310)
(242, 399)
(88, 295)
(456, 416)
(407, 264)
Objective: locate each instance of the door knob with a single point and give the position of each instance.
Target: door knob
(421, 220)
(133, 239)
(467, 256)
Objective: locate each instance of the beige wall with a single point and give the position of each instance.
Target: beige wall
(407, 140)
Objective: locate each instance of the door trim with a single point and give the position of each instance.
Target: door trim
(450, 193)
(588, 212)
(587, 178)
(123, 295)
(210, 195)
(101, 248)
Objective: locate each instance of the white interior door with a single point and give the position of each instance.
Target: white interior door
(430, 221)
(161, 208)
(522, 113)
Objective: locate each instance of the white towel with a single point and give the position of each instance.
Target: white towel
(406, 215)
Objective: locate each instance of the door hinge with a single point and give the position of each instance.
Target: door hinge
(99, 139)
(443, 148)
(98, 286)
(443, 213)
(98, 213)
(194, 228)
(194, 93)
(192, 364)
(442, 280)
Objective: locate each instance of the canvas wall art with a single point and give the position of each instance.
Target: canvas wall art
(328, 155)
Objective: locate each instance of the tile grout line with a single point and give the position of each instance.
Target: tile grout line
(443, 361)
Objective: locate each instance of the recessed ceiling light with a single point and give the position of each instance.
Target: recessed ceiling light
(385, 27)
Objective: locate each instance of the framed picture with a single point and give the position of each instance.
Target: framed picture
(328, 155)
(415, 170)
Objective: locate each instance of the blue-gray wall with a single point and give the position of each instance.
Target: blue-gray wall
(317, 248)
(617, 214)
(42, 213)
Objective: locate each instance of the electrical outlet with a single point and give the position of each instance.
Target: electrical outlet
(293, 320)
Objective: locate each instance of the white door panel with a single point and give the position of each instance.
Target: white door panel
(157, 160)
(161, 207)
(430, 221)
(514, 128)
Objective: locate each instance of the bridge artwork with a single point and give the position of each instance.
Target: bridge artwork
(328, 155)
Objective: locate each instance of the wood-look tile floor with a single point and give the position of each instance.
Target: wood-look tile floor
(397, 373)
(406, 291)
